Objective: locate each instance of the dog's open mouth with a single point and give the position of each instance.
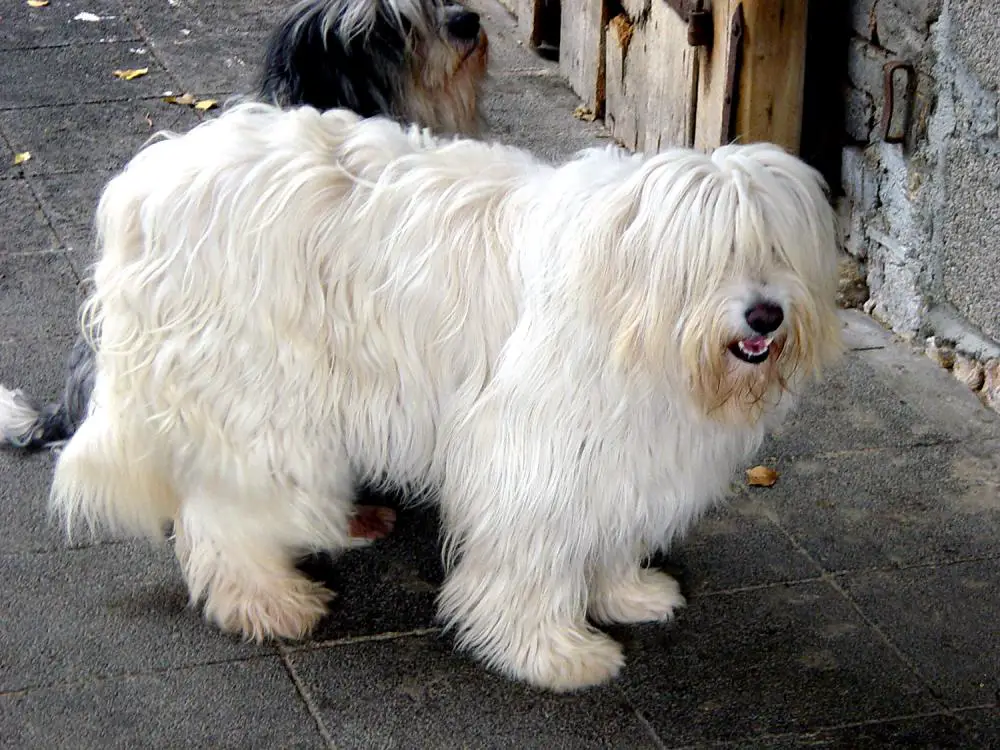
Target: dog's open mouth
(753, 350)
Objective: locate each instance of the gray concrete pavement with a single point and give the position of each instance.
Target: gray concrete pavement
(854, 604)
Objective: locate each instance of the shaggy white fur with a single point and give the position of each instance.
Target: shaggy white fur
(568, 359)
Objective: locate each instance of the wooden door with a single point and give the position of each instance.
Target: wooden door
(631, 62)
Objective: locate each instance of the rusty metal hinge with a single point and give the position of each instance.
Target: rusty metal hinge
(734, 64)
(889, 101)
(697, 18)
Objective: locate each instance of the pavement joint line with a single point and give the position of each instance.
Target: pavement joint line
(742, 742)
(50, 223)
(82, 103)
(147, 38)
(65, 549)
(754, 587)
(641, 718)
(913, 566)
(29, 253)
(305, 697)
(919, 444)
(357, 639)
(64, 45)
(122, 676)
(117, 100)
(863, 723)
(982, 707)
(110, 171)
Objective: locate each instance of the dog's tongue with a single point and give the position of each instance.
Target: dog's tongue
(755, 344)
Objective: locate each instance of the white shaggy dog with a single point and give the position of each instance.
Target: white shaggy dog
(572, 360)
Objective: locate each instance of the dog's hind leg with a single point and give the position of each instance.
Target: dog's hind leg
(628, 593)
(238, 554)
(109, 475)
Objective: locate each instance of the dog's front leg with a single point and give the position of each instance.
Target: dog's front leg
(518, 601)
(625, 592)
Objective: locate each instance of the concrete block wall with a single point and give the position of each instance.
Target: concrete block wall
(924, 215)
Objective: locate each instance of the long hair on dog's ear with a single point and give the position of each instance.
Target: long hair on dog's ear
(414, 60)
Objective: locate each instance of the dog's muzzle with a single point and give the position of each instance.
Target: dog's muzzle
(764, 318)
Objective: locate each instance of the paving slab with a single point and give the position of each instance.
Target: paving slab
(99, 137)
(214, 62)
(29, 77)
(936, 732)
(64, 22)
(931, 614)
(737, 545)
(851, 409)
(26, 228)
(983, 724)
(768, 661)
(242, 704)
(887, 508)
(417, 693)
(70, 198)
(107, 610)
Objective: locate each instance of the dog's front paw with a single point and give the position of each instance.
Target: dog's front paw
(289, 612)
(573, 660)
(646, 596)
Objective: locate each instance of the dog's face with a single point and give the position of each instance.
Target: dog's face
(447, 67)
(418, 61)
(758, 335)
(723, 276)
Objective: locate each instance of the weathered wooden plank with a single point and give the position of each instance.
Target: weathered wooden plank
(581, 50)
(769, 105)
(650, 77)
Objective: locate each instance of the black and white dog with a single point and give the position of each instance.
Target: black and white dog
(417, 61)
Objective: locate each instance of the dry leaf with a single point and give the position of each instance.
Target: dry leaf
(761, 476)
(206, 104)
(585, 114)
(22, 157)
(38, 3)
(185, 99)
(128, 75)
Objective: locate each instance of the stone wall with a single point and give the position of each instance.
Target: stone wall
(924, 215)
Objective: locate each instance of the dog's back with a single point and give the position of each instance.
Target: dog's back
(271, 276)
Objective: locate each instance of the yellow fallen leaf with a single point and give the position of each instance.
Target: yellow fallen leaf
(22, 157)
(185, 99)
(584, 113)
(206, 104)
(761, 476)
(128, 75)
(38, 3)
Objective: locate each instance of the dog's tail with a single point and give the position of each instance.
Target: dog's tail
(111, 479)
(28, 425)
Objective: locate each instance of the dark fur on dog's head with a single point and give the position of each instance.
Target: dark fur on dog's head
(415, 60)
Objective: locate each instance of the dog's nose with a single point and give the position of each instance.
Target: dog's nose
(464, 25)
(764, 317)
